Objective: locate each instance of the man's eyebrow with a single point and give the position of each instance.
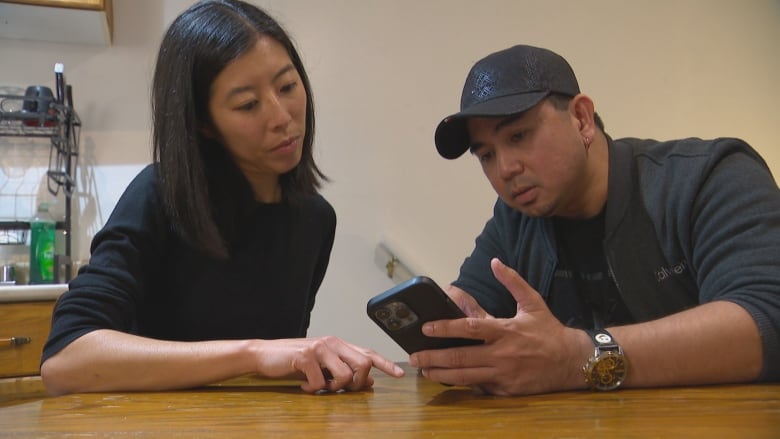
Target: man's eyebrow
(508, 121)
(473, 147)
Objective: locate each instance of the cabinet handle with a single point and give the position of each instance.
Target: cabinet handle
(15, 341)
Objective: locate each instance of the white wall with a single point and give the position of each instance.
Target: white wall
(384, 73)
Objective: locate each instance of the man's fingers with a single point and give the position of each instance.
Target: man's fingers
(460, 357)
(466, 302)
(526, 297)
(468, 327)
(460, 377)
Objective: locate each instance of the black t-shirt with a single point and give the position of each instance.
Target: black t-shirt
(583, 294)
(144, 279)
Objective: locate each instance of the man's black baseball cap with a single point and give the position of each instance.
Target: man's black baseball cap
(501, 84)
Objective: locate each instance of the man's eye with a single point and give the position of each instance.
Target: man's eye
(485, 157)
(516, 137)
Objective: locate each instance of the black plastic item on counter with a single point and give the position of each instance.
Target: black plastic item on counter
(37, 98)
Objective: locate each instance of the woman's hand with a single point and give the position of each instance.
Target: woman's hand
(324, 363)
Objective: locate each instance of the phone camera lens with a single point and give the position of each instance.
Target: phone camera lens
(382, 313)
(402, 312)
(393, 324)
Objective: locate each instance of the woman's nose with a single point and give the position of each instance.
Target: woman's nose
(278, 114)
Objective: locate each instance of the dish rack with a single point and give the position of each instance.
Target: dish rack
(60, 124)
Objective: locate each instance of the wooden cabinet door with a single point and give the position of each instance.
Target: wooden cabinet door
(22, 321)
(97, 5)
(87, 22)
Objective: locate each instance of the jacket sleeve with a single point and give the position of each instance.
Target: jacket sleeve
(735, 241)
(476, 277)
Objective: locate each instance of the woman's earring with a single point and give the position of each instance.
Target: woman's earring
(586, 140)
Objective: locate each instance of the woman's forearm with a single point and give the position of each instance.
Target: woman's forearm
(105, 360)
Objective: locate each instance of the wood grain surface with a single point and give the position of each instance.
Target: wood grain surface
(409, 407)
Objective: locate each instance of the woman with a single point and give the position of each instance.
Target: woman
(208, 267)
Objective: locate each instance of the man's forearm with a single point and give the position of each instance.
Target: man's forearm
(717, 342)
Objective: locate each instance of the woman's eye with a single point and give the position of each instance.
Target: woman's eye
(248, 106)
(289, 87)
(516, 137)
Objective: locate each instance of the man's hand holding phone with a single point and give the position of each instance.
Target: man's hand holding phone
(532, 352)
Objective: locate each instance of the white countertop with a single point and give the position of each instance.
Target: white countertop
(31, 293)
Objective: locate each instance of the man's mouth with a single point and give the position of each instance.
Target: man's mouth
(524, 195)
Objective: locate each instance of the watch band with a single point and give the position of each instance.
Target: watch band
(602, 338)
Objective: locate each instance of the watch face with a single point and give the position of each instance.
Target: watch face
(607, 371)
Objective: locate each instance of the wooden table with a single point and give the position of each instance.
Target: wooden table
(399, 408)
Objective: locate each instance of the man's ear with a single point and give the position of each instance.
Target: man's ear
(583, 110)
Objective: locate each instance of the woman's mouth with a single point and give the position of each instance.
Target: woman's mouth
(286, 145)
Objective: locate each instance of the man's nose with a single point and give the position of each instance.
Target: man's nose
(509, 165)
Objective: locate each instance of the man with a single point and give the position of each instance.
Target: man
(641, 263)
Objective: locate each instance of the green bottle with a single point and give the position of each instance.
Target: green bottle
(42, 232)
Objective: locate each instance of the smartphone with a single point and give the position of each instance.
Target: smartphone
(402, 310)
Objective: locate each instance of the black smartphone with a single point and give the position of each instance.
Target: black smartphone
(402, 310)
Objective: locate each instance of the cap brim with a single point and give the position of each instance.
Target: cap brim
(452, 135)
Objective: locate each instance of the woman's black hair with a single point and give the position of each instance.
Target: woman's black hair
(205, 195)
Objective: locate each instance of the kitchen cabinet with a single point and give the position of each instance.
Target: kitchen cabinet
(75, 4)
(24, 330)
(61, 21)
(22, 335)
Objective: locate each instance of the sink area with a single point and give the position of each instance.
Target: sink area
(30, 293)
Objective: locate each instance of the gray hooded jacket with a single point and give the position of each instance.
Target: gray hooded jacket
(687, 222)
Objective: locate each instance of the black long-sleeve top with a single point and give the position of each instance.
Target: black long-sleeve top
(143, 279)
